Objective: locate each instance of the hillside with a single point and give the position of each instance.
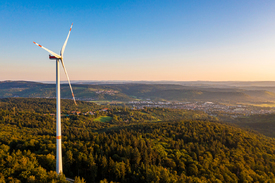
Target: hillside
(262, 123)
(128, 92)
(82, 92)
(44, 105)
(176, 151)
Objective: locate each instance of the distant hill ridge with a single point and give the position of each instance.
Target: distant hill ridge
(132, 91)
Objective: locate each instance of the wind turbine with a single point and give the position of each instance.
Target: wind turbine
(58, 58)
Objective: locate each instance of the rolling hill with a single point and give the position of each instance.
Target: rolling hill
(133, 91)
(174, 151)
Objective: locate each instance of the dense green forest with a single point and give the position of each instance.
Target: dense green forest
(262, 123)
(159, 145)
(133, 91)
(44, 105)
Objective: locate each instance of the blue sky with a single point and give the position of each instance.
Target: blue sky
(139, 40)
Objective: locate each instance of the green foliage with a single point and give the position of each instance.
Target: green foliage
(263, 123)
(42, 105)
(79, 180)
(187, 150)
(122, 114)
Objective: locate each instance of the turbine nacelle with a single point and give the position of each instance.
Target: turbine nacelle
(52, 57)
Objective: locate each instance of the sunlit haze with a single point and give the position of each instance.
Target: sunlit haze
(139, 40)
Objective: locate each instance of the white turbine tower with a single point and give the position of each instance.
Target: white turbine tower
(58, 115)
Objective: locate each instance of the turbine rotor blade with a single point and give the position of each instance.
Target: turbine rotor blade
(51, 52)
(68, 79)
(65, 43)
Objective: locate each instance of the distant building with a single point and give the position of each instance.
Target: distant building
(89, 112)
(238, 110)
(105, 109)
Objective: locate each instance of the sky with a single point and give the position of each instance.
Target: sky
(151, 40)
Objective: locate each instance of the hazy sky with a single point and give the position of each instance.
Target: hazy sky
(139, 40)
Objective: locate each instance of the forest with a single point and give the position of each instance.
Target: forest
(146, 145)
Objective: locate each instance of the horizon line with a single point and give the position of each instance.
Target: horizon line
(45, 81)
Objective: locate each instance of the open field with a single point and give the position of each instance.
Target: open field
(103, 119)
(104, 102)
(100, 102)
(269, 104)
